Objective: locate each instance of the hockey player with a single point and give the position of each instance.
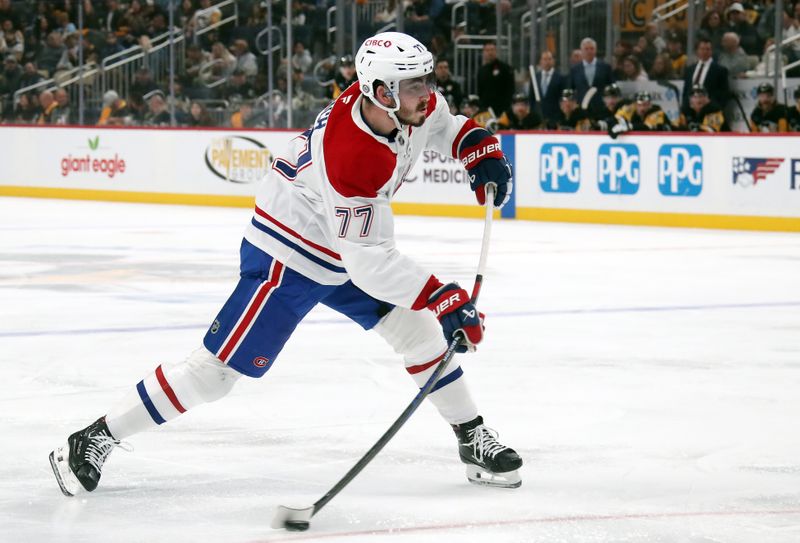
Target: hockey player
(768, 115)
(322, 232)
(702, 115)
(345, 76)
(793, 115)
(615, 118)
(571, 116)
(649, 116)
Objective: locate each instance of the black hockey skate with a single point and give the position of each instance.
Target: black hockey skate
(79, 463)
(488, 462)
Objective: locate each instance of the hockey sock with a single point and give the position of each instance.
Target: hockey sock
(170, 391)
(450, 394)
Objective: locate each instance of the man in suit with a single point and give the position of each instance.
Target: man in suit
(707, 73)
(550, 84)
(590, 72)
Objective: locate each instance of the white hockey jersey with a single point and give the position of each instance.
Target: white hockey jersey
(324, 208)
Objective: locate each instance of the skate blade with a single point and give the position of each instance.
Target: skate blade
(287, 516)
(508, 479)
(64, 477)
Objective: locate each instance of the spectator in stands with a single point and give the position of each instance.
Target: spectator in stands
(63, 24)
(495, 81)
(136, 19)
(447, 86)
(111, 45)
(522, 117)
(301, 58)
(649, 45)
(115, 110)
(701, 114)
(550, 84)
(158, 114)
(30, 75)
(69, 56)
(676, 54)
(51, 53)
(737, 22)
(47, 105)
(712, 29)
(195, 59)
(766, 65)
(8, 13)
(204, 17)
(662, 68)
(708, 74)
(649, 116)
(12, 41)
(137, 108)
(388, 14)
(199, 116)
(793, 114)
(114, 18)
(632, 69)
(732, 56)
(768, 115)
(62, 114)
(143, 82)
(224, 62)
(243, 116)
(622, 50)
(791, 28)
(27, 110)
(245, 60)
(591, 72)
(237, 87)
(572, 116)
(11, 76)
(157, 25)
(345, 76)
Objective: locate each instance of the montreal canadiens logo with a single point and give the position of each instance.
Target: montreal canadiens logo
(261, 362)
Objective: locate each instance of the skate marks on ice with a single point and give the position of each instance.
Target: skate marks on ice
(648, 377)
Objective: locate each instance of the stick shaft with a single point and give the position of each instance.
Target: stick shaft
(425, 390)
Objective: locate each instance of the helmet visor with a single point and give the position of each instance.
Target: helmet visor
(418, 87)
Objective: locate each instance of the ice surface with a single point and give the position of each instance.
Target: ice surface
(649, 377)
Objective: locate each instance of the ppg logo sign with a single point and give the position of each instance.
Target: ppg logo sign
(618, 168)
(680, 170)
(560, 167)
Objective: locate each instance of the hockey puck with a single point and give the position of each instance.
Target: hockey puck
(296, 525)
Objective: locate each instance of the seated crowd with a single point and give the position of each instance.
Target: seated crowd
(223, 81)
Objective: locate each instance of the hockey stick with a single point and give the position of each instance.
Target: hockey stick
(299, 519)
(587, 98)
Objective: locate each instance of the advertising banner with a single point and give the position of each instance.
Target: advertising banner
(659, 173)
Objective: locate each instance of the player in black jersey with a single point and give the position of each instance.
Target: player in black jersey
(649, 116)
(571, 116)
(702, 115)
(793, 115)
(768, 115)
(616, 114)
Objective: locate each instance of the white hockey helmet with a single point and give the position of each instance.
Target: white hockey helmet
(391, 57)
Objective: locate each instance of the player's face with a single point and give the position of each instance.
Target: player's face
(765, 99)
(568, 106)
(642, 107)
(697, 101)
(414, 97)
(610, 102)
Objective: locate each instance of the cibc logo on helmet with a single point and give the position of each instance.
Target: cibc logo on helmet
(379, 43)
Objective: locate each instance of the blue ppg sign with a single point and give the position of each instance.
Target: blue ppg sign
(680, 170)
(618, 168)
(560, 167)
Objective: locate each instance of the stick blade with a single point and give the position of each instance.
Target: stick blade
(292, 519)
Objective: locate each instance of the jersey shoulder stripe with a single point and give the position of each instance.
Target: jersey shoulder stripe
(356, 163)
